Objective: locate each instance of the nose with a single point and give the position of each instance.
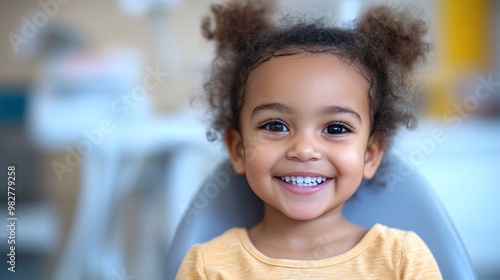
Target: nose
(304, 147)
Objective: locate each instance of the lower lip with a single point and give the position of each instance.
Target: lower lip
(303, 190)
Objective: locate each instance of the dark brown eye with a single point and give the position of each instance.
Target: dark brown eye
(336, 129)
(275, 126)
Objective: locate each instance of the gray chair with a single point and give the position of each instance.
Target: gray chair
(397, 197)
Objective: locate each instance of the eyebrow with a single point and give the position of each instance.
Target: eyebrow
(277, 107)
(334, 110)
(283, 109)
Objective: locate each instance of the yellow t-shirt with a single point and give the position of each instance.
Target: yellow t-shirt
(383, 253)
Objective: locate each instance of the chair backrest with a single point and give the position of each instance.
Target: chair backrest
(404, 200)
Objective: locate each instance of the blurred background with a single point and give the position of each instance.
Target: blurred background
(95, 116)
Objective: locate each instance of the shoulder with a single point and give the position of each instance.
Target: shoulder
(409, 252)
(396, 238)
(405, 241)
(219, 246)
(212, 253)
(388, 238)
(229, 238)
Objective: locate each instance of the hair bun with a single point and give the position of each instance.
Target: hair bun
(236, 22)
(397, 34)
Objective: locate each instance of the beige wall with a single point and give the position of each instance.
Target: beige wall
(105, 26)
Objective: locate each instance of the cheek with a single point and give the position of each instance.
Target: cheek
(350, 166)
(259, 161)
(259, 151)
(261, 157)
(251, 148)
(252, 153)
(350, 161)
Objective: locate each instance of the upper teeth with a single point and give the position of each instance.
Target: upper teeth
(307, 181)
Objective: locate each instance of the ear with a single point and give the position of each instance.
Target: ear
(234, 145)
(373, 157)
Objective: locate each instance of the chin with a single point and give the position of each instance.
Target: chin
(303, 214)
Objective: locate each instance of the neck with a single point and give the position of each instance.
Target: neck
(276, 223)
(282, 237)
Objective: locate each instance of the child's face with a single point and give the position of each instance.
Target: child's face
(306, 117)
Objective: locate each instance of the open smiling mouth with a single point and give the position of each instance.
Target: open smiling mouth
(306, 181)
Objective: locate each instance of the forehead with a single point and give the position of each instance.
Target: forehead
(310, 78)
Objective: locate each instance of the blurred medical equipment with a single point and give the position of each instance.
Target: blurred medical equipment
(91, 108)
(157, 12)
(406, 201)
(96, 108)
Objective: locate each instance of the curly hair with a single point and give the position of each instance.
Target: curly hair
(385, 43)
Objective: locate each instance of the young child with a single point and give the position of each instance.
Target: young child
(307, 111)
